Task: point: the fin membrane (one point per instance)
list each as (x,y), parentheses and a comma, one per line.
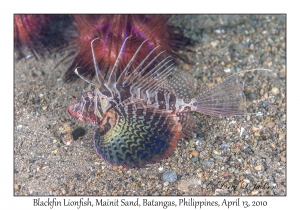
(183,84)
(223,99)
(187,122)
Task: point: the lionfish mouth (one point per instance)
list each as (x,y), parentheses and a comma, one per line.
(83,110)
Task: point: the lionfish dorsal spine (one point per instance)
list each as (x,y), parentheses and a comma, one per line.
(150,80)
(150,74)
(164,76)
(99,75)
(136,73)
(84,78)
(132,59)
(155,83)
(112,76)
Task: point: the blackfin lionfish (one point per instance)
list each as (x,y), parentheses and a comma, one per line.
(141,114)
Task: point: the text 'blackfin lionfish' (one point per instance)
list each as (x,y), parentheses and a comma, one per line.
(142,113)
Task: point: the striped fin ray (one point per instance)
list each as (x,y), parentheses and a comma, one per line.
(134,134)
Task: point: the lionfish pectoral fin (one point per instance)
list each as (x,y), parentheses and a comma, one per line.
(141,135)
(223,99)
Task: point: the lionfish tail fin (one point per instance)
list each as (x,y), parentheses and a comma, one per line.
(226,98)
(223,99)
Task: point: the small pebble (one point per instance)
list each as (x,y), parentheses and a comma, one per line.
(16,186)
(195,153)
(186,67)
(266,103)
(67,128)
(78,176)
(218,79)
(272,145)
(28,56)
(251,47)
(228,70)
(259,114)
(214,43)
(169,177)
(195,159)
(281,136)
(254,192)
(275,90)
(226,173)
(258,168)
(216,152)
(242,131)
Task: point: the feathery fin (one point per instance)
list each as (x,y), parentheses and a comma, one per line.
(226,98)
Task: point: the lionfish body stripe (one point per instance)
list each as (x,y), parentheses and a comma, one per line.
(141,115)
